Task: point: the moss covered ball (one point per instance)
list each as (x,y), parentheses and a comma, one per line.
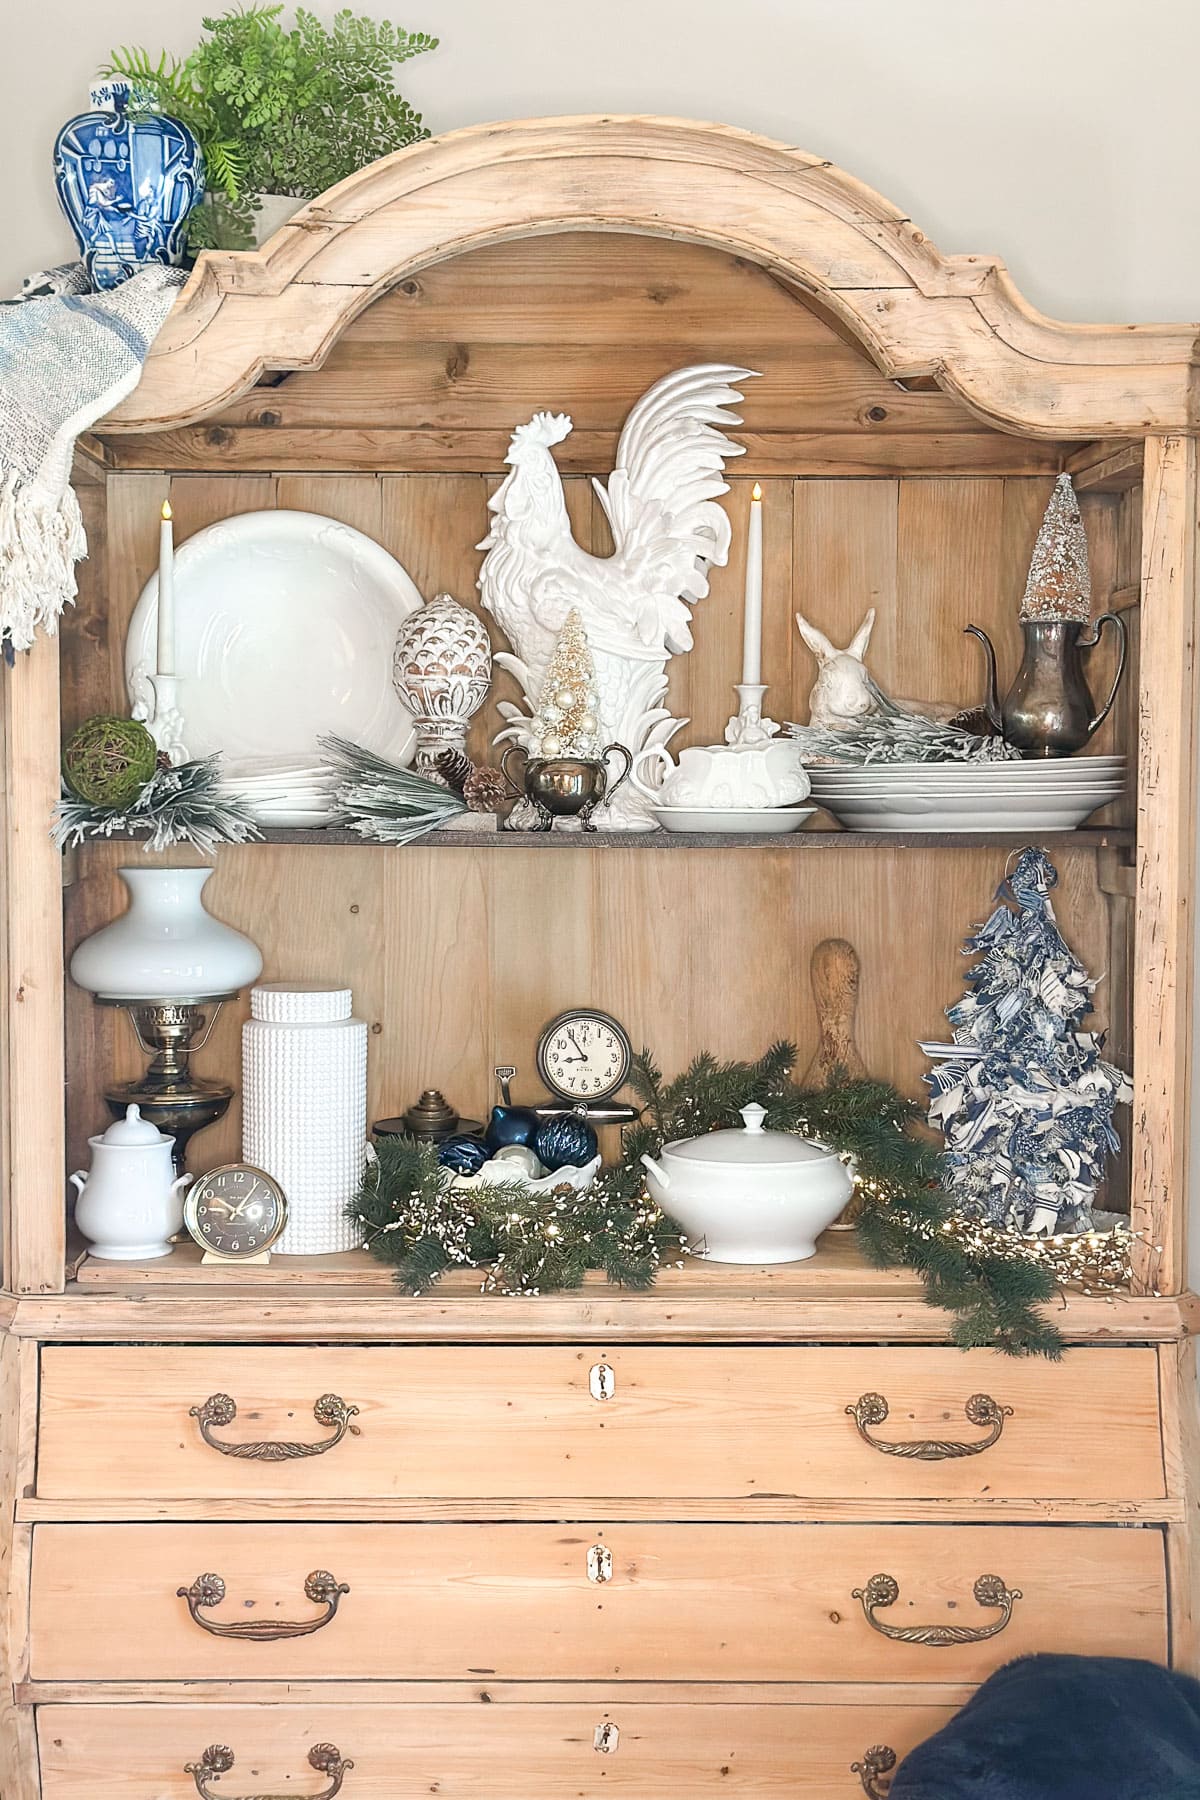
(108,760)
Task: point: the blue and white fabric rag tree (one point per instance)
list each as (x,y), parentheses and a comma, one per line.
(1023,1097)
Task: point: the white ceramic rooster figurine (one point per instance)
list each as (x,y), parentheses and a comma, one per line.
(667,528)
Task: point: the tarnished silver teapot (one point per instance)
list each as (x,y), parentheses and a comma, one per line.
(1048,710)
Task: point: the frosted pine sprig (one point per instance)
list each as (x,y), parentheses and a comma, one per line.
(383,802)
(898,737)
(182,805)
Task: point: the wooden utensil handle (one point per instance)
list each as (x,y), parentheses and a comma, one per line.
(835,976)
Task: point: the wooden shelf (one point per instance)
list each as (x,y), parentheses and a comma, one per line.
(834,1298)
(838,1266)
(1096,838)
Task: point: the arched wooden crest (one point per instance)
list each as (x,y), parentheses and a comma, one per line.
(916,312)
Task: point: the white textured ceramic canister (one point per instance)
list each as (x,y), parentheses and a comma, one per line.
(304,1107)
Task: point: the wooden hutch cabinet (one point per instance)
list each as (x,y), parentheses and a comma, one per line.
(910,419)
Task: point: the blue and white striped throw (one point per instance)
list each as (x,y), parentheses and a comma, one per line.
(67,356)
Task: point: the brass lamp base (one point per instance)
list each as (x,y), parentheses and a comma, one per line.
(168,1094)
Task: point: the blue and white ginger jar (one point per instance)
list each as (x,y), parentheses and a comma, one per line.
(127,185)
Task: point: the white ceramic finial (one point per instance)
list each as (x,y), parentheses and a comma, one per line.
(753,1116)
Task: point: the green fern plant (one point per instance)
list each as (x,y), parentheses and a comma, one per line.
(278,110)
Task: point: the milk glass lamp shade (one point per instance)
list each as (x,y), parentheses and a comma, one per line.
(166,947)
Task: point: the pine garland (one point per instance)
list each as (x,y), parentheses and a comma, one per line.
(414,1219)
(413,1216)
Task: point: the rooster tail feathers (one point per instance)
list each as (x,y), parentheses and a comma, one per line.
(671,457)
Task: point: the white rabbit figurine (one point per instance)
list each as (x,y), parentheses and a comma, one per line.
(845,692)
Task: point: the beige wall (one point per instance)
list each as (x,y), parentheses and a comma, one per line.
(1063,135)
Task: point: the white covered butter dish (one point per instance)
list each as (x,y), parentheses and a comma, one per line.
(750,1196)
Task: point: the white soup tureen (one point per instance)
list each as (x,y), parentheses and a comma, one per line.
(750,1196)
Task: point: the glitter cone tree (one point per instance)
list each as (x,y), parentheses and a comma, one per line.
(567,719)
(1059,584)
(1022,1096)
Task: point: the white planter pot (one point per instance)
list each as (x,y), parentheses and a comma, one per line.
(166,947)
(750,1196)
(272,211)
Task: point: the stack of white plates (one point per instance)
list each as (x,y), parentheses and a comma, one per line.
(1047,795)
(280,791)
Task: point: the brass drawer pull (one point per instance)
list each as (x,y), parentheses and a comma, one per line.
(981,1409)
(884,1590)
(209,1590)
(875,1771)
(218,1759)
(330,1409)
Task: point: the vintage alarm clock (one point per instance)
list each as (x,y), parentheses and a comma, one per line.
(584,1057)
(235,1213)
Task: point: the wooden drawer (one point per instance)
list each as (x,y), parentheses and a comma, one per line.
(517,1602)
(761,1424)
(464,1752)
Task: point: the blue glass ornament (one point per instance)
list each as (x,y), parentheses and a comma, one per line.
(565,1143)
(510,1125)
(126,185)
(465,1155)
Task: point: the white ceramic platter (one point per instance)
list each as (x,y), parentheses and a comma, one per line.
(921,813)
(765,821)
(971,797)
(285,624)
(1022,771)
(967,796)
(1042,776)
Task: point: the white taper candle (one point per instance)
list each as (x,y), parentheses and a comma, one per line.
(166,592)
(752,615)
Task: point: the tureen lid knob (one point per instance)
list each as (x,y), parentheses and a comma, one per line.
(133,1129)
(753,1116)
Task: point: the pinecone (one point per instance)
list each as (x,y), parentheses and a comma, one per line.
(486,790)
(455,767)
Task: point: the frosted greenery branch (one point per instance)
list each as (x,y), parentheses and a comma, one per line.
(380,800)
(898,737)
(414,1219)
(182,805)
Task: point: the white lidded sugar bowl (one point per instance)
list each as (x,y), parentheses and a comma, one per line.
(750,1196)
(731,777)
(130,1201)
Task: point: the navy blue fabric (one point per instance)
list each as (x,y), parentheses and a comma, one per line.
(1065,1728)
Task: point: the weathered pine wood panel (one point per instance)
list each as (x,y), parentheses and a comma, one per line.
(507,1752)
(511,940)
(435,373)
(919,312)
(689,1602)
(457,961)
(743,1424)
(31,1047)
(1166,875)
